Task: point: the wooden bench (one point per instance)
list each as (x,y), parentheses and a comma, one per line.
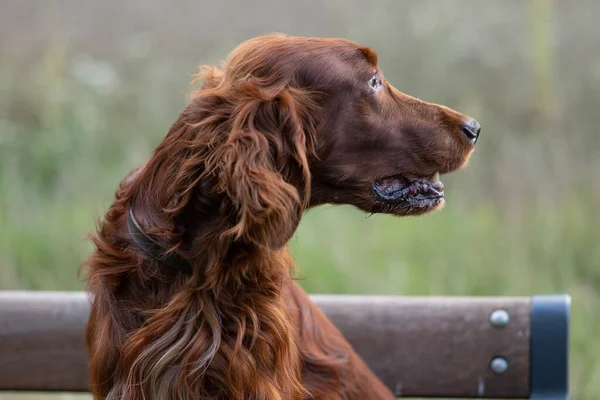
(465,347)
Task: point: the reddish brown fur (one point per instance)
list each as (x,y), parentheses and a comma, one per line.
(288,123)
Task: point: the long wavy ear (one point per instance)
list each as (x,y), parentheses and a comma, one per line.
(263,164)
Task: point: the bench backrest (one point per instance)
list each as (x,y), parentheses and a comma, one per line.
(486,347)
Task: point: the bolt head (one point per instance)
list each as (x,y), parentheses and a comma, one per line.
(499,319)
(499,365)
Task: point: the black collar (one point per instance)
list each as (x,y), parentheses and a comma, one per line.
(153,249)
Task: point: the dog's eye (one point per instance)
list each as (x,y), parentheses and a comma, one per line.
(375,82)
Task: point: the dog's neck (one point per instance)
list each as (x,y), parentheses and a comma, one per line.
(196,232)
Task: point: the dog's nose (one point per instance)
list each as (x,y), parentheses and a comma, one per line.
(471,129)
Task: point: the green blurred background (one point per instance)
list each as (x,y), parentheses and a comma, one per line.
(89,88)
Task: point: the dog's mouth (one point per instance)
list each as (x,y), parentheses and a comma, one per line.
(409,194)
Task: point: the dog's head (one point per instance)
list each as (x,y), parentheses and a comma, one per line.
(378,148)
(296,122)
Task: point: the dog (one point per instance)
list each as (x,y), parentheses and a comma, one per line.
(192,285)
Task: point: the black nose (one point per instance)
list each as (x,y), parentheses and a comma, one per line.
(471,129)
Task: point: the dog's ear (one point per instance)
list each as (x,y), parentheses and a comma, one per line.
(263,164)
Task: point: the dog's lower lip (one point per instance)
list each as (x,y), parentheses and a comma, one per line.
(399,188)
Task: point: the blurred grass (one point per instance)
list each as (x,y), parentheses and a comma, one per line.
(79,109)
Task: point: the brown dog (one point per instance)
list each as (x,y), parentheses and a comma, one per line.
(191,280)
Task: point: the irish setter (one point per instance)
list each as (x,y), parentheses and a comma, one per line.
(286,124)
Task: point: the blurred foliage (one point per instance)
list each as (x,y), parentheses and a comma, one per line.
(88,89)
